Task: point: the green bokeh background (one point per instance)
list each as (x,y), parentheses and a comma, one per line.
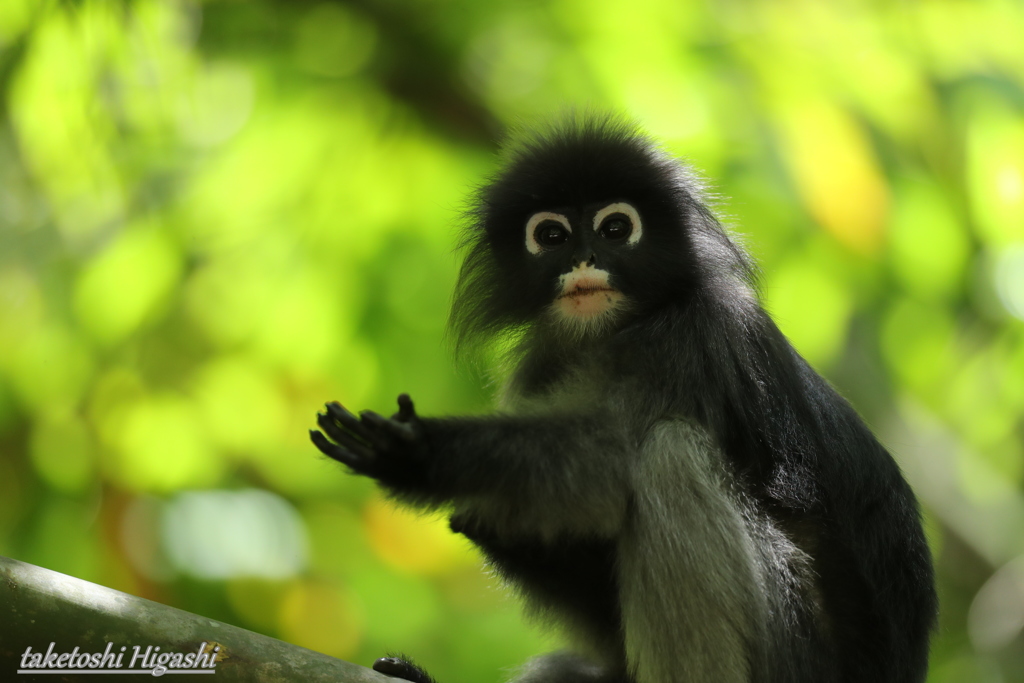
(214,216)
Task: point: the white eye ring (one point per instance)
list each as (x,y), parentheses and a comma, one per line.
(628,211)
(532,245)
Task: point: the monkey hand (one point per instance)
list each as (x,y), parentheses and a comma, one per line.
(391,450)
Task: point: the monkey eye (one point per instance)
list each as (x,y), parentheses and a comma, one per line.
(619,222)
(615,227)
(551,234)
(546,230)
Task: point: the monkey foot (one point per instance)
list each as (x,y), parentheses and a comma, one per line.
(402,668)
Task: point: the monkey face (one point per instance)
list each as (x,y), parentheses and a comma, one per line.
(591,266)
(581,254)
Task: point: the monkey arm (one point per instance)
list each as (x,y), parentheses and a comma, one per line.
(573,468)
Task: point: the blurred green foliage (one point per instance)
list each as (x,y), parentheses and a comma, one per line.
(216,216)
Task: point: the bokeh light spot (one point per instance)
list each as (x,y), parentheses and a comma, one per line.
(127,283)
(811,307)
(928,246)
(1009,279)
(996,616)
(918,346)
(321,616)
(333,40)
(241,407)
(163,446)
(834,166)
(414,543)
(63,453)
(229,534)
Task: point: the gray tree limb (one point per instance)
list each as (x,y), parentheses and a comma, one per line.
(39,607)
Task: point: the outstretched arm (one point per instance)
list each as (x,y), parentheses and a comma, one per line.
(570,468)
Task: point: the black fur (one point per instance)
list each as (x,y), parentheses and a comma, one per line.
(402,666)
(557,491)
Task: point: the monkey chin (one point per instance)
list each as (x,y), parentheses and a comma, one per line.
(586,315)
(586,304)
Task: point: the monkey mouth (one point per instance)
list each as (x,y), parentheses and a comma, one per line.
(588,299)
(586,295)
(584,289)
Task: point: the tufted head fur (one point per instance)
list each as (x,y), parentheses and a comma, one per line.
(539,255)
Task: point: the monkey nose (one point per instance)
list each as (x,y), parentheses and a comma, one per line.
(587,258)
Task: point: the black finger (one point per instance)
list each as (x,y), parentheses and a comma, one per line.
(406,411)
(353,424)
(342,437)
(339,453)
(401,430)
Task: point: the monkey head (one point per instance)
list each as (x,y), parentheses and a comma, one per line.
(584,228)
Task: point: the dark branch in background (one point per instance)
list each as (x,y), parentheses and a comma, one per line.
(10,59)
(417,68)
(412,64)
(42,607)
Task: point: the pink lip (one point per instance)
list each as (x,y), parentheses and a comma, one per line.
(586,289)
